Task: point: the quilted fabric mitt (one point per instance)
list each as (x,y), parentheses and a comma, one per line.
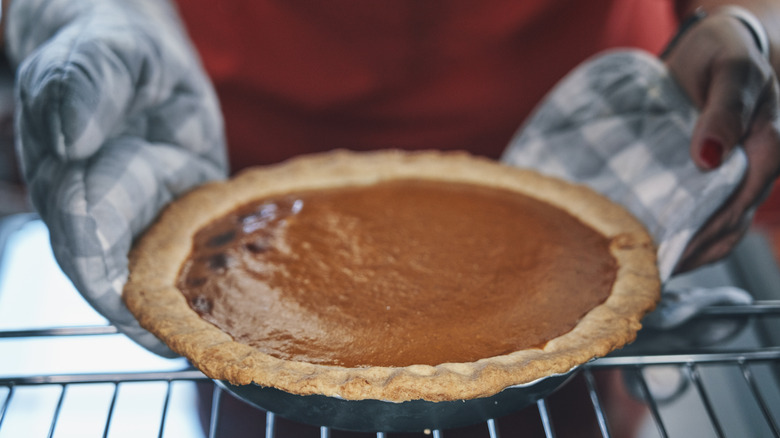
(620,124)
(115,118)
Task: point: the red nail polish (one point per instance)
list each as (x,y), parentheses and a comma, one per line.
(711,153)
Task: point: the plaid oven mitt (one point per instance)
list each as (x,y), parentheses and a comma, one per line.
(620,125)
(115,118)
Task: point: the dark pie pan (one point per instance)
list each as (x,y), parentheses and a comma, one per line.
(384,416)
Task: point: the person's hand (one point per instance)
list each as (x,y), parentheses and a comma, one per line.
(719,65)
(115,118)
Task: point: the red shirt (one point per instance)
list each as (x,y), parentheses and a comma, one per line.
(298,76)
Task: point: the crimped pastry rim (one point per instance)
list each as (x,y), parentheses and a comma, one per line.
(154,263)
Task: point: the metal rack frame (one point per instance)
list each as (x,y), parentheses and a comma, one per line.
(690,362)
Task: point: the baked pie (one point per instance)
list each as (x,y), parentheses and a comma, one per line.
(392,275)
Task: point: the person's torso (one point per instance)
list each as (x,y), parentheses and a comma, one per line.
(298,76)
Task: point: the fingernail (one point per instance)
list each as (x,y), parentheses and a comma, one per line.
(711,153)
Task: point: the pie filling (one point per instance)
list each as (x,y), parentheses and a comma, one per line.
(397,273)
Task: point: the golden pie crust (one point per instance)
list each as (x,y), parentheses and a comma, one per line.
(156,260)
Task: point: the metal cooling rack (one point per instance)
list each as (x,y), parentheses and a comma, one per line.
(752,385)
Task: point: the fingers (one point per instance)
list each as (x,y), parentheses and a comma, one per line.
(78,88)
(119,68)
(712,243)
(720,68)
(727,226)
(70,99)
(733,99)
(727,77)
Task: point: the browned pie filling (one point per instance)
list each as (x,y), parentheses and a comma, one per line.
(397,273)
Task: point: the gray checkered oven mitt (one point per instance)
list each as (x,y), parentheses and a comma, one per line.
(620,125)
(115,117)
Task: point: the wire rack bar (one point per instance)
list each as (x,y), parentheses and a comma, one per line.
(90,330)
(747,374)
(111,406)
(761,307)
(650,401)
(693,375)
(270,425)
(733,356)
(216,402)
(492,429)
(188,374)
(590,382)
(4,407)
(544,413)
(165,409)
(57,411)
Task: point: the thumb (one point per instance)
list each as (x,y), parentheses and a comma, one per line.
(99,74)
(69,97)
(731,100)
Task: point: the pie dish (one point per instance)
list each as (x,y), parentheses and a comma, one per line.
(163,259)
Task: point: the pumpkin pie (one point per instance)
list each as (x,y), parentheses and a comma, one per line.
(392,275)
